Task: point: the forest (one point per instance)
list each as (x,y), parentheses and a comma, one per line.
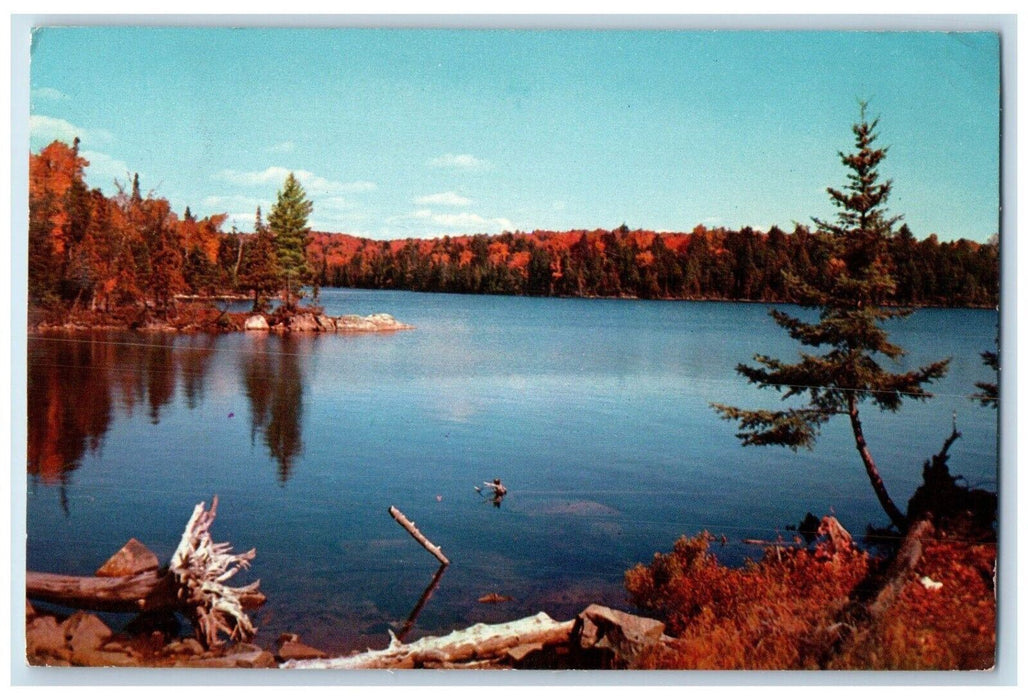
(92,251)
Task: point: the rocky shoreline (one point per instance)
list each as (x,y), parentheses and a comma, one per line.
(208,320)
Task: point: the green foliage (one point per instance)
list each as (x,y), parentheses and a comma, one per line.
(259,270)
(288,224)
(848,343)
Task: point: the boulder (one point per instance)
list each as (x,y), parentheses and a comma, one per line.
(133,558)
(290,648)
(85,632)
(352,322)
(327,323)
(627,636)
(303,323)
(43,636)
(256,322)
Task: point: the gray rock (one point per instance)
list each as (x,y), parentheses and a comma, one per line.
(256,323)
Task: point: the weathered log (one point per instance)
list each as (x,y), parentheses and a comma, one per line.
(474,645)
(898,574)
(145,592)
(407,525)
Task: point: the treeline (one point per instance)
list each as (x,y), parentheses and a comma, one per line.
(88,250)
(704,264)
(107,252)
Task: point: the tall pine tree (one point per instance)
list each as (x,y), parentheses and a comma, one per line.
(842,371)
(288,223)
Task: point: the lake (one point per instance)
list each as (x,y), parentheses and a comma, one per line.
(595,414)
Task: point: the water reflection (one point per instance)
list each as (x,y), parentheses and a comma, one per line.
(273,381)
(78,382)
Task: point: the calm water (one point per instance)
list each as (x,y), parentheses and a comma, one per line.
(595,413)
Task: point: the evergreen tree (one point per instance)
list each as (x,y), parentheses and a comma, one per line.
(849,331)
(260,271)
(288,223)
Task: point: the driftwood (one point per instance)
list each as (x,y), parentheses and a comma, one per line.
(898,574)
(193,583)
(478,645)
(201,567)
(407,525)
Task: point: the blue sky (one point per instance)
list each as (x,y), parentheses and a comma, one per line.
(398,133)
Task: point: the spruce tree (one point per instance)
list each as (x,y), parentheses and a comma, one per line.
(842,369)
(260,271)
(288,223)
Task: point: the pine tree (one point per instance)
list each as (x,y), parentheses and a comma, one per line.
(288,222)
(848,333)
(260,271)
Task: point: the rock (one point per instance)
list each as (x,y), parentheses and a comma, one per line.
(100,658)
(290,648)
(44,636)
(374,322)
(185,647)
(85,632)
(354,323)
(327,323)
(256,658)
(303,323)
(30,612)
(256,323)
(495,598)
(518,653)
(133,558)
(626,635)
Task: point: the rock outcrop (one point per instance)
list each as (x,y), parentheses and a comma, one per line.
(311,323)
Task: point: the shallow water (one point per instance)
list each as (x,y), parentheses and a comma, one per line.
(595,413)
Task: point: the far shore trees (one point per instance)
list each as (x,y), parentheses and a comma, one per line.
(288,223)
(851,299)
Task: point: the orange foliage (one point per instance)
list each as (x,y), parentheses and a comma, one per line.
(782,612)
(52,172)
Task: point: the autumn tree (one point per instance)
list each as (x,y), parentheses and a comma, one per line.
(288,223)
(842,369)
(59,213)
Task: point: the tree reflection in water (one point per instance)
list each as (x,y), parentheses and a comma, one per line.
(77,381)
(273,380)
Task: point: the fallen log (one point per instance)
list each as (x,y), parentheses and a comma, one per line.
(901,569)
(407,525)
(473,646)
(193,583)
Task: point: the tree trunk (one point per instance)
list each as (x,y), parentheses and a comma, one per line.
(145,592)
(895,514)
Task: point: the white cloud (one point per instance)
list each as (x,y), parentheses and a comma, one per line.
(333,204)
(312,184)
(46,93)
(448,199)
(234,202)
(460,161)
(464,222)
(43,130)
(104,167)
(284,147)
